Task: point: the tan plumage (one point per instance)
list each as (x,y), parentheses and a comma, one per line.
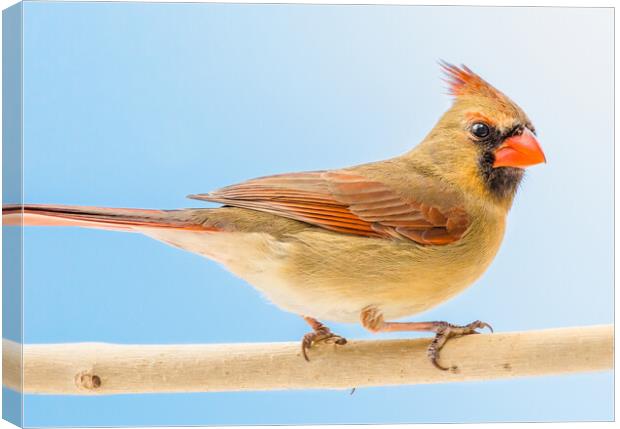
(372,242)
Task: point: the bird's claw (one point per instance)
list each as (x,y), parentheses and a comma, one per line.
(471,328)
(444,332)
(484,325)
(323,335)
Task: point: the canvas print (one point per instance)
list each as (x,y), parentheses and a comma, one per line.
(221,214)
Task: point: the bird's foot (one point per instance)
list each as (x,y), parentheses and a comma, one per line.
(320,334)
(444,331)
(372,319)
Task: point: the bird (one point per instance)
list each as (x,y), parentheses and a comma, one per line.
(367,244)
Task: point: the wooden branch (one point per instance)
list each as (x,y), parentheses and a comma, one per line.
(96,368)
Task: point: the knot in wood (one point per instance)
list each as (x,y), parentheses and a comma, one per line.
(87,380)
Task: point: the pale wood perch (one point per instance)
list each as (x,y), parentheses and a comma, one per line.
(97,368)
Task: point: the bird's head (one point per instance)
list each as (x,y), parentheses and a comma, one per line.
(484,141)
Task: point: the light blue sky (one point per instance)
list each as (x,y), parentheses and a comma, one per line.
(138,105)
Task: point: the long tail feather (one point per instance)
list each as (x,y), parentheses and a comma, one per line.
(99,217)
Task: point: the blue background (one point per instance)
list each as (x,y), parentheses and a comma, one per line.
(138,105)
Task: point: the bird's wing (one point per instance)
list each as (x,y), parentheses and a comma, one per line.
(349,202)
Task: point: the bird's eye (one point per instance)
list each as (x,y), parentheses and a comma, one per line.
(480,130)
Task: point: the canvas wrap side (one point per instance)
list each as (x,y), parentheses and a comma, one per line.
(12,193)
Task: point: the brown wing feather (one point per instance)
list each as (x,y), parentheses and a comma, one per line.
(347,202)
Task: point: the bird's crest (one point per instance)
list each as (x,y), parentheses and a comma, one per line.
(462,81)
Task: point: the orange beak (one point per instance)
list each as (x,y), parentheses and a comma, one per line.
(519,151)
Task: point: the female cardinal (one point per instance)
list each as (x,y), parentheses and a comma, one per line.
(369,243)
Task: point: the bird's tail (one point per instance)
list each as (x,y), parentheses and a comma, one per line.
(114,219)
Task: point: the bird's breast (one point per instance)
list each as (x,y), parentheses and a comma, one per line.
(333,276)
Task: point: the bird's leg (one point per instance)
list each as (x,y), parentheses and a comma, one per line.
(320,334)
(372,320)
